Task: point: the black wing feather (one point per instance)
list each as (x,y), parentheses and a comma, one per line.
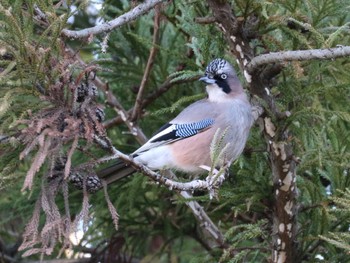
(184,130)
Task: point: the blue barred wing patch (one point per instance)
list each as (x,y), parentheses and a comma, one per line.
(173,132)
(190,129)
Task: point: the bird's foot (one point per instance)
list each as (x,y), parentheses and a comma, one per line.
(214,180)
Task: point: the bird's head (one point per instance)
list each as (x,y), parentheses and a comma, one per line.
(221,79)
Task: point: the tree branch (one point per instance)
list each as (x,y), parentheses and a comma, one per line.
(171,184)
(183,188)
(300,55)
(115,23)
(138,103)
(282,163)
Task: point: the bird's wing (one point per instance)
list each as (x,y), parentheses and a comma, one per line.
(172,132)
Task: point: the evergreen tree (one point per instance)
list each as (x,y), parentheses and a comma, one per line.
(68,94)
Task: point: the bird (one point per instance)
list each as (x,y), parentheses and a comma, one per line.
(184,143)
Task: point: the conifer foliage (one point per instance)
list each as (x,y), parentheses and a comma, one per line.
(82,82)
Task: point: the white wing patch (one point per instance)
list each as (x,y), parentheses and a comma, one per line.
(173,132)
(151,143)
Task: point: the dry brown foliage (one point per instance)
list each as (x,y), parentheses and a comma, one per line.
(72,114)
(51,137)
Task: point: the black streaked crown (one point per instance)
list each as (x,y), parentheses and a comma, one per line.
(215,65)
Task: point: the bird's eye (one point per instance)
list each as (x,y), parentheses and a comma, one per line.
(223,76)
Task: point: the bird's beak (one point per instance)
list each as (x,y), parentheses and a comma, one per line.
(207,80)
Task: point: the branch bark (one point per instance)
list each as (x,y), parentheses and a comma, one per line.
(283,167)
(300,55)
(115,23)
(282,163)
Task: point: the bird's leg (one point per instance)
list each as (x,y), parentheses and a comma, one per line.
(168,174)
(214,179)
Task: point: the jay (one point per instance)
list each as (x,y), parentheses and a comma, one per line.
(184,143)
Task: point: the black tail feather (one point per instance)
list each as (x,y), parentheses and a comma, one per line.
(116,172)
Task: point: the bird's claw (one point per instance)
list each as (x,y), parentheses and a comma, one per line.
(214,181)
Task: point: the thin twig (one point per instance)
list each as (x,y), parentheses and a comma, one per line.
(39,14)
(331,29)
(150,98)
(203,218)
(138,103)
(115,23)
(306,208)
(163,89)
(78,260)
(299,55)
(104,44)
(238,249)
(124,115)
(7,258)
(205,20)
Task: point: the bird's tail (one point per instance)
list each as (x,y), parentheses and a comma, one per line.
(116,172)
